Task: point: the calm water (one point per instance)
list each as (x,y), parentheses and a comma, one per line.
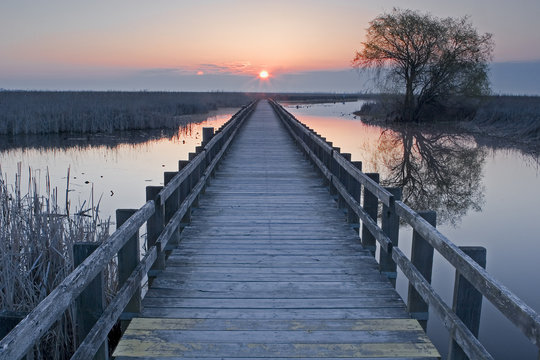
(483,197)
(115,168)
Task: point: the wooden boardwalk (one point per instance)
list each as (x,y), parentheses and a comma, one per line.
(269,268)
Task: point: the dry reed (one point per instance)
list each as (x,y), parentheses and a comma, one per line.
(85,112)
(36,253)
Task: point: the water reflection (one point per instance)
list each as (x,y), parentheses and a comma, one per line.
(112,140)
(115,168)
(439,171)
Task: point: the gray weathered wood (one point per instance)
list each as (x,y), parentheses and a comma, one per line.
(512,307)
(470,344)
(371,207)
(355,189)
(154,227)
(19,341)
(390,226)
(171,206)
(98,333)
(266,246)
(207,135)
(91,302)
(128,258)
(8,320)
(467,303)
(422,259)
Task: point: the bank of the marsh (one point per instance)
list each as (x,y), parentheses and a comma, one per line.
(511,121)
(88,112)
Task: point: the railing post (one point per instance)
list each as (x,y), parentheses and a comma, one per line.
(8,321)
(154,227)
(171,206)
(128,258)
(194,178)
(467,302)
(91,302)
(371,207)
(355,189)
(422,259)
(343,177)
(185,188)
(334,169)
(207,135)
(390,226)
(328,164)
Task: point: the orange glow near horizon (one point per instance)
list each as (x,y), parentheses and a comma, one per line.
(264,75)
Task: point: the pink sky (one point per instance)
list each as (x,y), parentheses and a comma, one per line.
(84,41)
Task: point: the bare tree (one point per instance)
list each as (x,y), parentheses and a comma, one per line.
(430,59)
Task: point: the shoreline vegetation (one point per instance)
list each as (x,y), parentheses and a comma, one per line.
(89,112)
(514,120)
(37,243)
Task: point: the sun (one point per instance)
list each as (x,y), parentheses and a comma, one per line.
(264,74)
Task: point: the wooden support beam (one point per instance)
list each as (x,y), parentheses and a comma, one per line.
(154,227)
(390,226)
(422,259)
(467,303)
(128,258)
(371,206)
(90,304)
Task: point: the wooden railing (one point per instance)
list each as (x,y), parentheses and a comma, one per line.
(164,213)
(346,180)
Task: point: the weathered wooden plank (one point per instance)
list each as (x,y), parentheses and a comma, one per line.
(248,276)
(279,314)
(281,358)
(276,294)
(298,325)
(262,286)
(276,337)
(143,347)
(307,303)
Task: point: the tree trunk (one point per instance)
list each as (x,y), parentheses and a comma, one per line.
(408,106)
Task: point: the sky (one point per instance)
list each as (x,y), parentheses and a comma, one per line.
(222,45)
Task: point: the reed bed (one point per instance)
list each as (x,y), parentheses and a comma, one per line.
(48,112)
(36,253)
(514,117)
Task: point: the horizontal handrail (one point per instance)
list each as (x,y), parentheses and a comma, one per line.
(511,306)
(468,342)
(20,340)
(172,185)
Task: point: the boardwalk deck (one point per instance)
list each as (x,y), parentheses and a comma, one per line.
(269,268)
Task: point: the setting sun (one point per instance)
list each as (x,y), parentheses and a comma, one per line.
(263,74)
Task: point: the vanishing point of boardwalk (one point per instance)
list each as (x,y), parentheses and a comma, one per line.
(269,268)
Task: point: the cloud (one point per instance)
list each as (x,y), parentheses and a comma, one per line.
(237,67)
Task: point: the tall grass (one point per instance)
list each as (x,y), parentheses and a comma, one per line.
(36,253)
(46,112)
(514,117)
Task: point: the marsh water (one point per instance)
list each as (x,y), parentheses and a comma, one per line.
(114,169)
(484,194)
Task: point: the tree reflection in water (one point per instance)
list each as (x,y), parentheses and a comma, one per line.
(438,171)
